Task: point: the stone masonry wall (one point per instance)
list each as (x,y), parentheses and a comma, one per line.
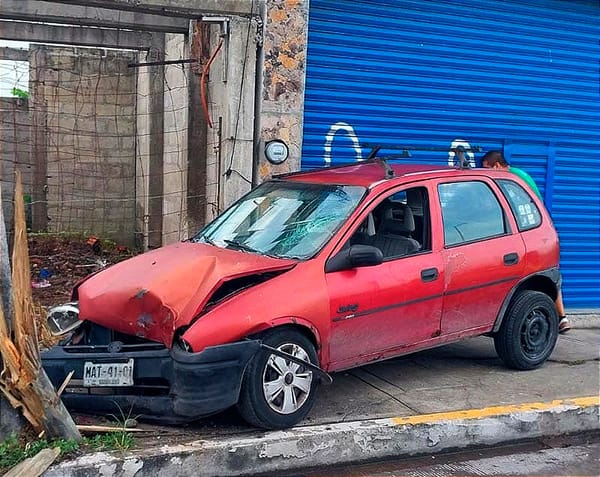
(282,109)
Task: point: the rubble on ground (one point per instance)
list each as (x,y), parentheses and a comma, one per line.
(59,262)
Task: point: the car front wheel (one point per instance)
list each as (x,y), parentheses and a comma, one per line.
(277,392)
(529,331)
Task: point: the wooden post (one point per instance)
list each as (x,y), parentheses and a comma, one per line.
(23,380)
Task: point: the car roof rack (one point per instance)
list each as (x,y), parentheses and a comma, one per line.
(376,160)
(389,172)
(382,160)
(406,151)
(371,159)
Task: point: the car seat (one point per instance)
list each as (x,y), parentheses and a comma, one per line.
(393,237)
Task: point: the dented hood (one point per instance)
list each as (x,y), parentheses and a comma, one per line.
(153,294)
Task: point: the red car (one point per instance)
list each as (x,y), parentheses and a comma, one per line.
(312,273)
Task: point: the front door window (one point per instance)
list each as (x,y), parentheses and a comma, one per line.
(379,309)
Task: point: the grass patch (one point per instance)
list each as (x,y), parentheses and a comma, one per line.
(120,441)
(14,449)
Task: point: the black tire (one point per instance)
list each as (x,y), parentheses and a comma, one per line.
(292,387)
(529,331)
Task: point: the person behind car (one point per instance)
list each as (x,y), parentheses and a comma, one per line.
(496,160)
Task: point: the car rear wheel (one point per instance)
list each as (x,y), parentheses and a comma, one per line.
(276,392)
(529,331)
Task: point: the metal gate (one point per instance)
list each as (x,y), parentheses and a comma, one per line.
(511,75)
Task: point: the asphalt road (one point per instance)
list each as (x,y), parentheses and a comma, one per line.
(561,456)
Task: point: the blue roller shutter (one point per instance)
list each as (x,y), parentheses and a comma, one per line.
(511,75)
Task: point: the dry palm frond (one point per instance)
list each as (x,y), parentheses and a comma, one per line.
(24,323)
(23,381)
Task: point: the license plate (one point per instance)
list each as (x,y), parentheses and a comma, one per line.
(108,374)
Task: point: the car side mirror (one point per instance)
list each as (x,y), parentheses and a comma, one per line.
(353,257)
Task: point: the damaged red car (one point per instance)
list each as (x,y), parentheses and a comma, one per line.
(308,274)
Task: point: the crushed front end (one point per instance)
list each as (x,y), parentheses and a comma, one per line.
(114,371)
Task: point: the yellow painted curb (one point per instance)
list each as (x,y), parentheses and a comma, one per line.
(496,410)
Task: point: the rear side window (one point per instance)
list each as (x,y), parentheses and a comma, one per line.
(522,205)
(470,212)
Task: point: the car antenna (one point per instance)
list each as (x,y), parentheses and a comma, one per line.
(389,172)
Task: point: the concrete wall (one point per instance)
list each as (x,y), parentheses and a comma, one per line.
(117,165)
(175,226)
(90,102)
(278,91)
(231,105)
(279,100)
(15,151)
(162,143)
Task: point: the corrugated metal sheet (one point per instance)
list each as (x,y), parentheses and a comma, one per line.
(522,76)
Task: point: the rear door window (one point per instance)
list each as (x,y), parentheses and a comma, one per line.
(522,205)
(470,212)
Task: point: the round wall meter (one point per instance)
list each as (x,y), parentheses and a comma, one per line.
(276,151)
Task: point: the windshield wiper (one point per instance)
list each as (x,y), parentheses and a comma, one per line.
(208,240)
(241,246)
(247,248)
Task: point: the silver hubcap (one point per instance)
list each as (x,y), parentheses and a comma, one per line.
(286,385)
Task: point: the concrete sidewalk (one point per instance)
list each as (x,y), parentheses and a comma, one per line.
(452,397)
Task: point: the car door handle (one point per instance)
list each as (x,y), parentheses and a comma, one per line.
(429,274)
(511,258)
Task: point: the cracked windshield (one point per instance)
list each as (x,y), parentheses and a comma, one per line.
(283,219)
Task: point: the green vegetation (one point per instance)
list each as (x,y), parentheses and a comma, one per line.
(20,93)
(14,450)
(120,440)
